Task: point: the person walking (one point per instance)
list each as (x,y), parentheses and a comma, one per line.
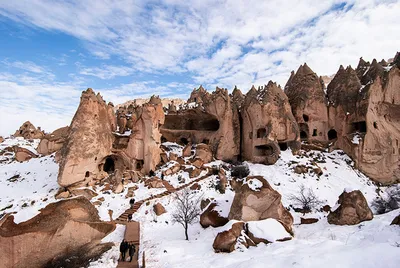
(132,250)
(132,202)
(129,217)
(122,248)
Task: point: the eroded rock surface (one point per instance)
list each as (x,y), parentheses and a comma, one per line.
(60,230)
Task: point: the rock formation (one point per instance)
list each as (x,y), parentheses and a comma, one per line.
(213,121)
(89,141)
(305,91)
(268,125)
(53,142)
(61,230)
(23,154)
(353,209)
(250,205)
(227,240)
(211,217)
(29,131)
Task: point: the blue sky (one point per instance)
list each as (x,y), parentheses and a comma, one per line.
(52,50)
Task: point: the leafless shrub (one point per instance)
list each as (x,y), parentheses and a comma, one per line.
(306,199)
(240,172)
(187,208)
(390,201)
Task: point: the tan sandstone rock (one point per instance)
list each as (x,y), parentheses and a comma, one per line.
(211,217)
(29,131)
(74,222)
(23,154)
(353,209)
(226,240)
(53,142)
(249,205)
(159,209)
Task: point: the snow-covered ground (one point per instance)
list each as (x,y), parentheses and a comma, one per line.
(369,244)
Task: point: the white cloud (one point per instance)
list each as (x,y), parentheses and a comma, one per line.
(27,66)
(107,71)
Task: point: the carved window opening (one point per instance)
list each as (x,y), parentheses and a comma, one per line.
(375,125)
(109,165)
(359,127)
(261,133)
(283,146)
(314,133)
(139,164)
(184,141)
(305,118)
(87,174)
(303,135)
(332,134)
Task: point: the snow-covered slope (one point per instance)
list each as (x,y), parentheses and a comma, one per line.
(369,244)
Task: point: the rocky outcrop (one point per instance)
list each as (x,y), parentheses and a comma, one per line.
(227,240)
(353,209)
(53,142)
(250,205)
(29,131)
(212,121)
(159,209)
(60,231)
(211,217)
(23,154)
(89,140)
(1,139)
(144,144)
(305,91)
(203,151)
(268,125)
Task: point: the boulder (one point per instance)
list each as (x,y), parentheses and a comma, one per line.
(154,182)
(353,209)
(73,222)
(226,240)
(23,154)
(308,220)
(195,187)
(119,188)
(194,172)
(396,221)
(198,163)
(203,151)
(62,195)
(159,209)
(1,139)
(300,169)
(85,192)
(204,203)
(267,231)
(173,157)
(187,150)
(211,217)
(249,205)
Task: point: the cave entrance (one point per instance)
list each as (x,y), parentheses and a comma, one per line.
(184,141)
(163,139)
(109,165)
(261,133)
(283,146)
(264,150)
(360,126)
(191,120)
(332,134)
(303,135)
(305,118)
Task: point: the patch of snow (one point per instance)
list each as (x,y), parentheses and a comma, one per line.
(356,139)
(254,184)
(269,229)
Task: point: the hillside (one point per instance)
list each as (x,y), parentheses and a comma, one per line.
(31,185)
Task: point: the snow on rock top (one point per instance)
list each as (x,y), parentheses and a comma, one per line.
(255,184)
(268,229)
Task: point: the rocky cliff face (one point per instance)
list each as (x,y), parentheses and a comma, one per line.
(305,91)
(212,121)
(29,131)
(268,125)
(89,141)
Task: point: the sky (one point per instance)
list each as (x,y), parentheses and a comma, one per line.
(50,51)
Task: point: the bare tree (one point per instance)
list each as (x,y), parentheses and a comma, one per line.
(187,208)
(305,198)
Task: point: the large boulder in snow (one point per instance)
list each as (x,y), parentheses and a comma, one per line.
(204,152)
(23,154)
(353,209)
(211,217)
(267,231)
(226,241)
(65,232)
(257,200)
(159,209)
